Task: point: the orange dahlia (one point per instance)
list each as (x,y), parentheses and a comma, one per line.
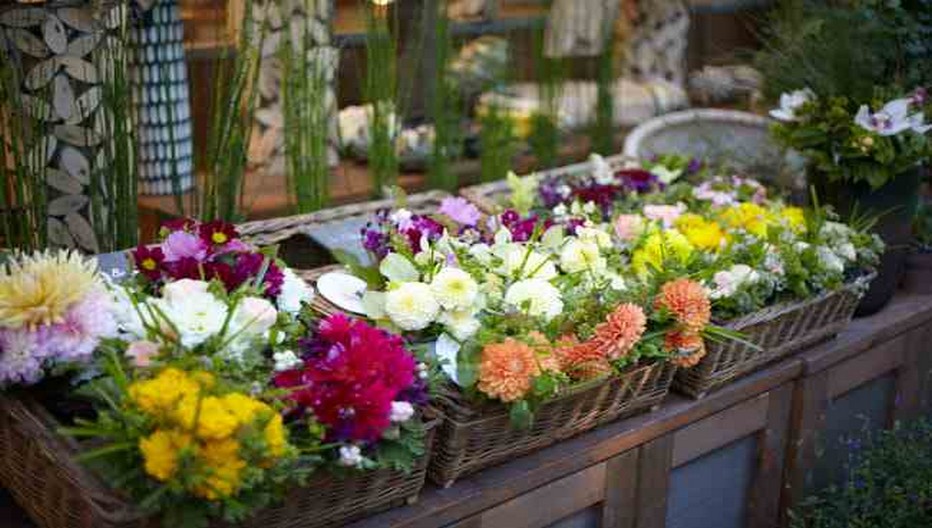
(687,348)
(621,330)
(590,370)
(507,369)
(687,301)
(584,360)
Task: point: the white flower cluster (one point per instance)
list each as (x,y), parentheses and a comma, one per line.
(727,283)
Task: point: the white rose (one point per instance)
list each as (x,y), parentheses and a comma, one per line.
(178,290)
(350,456)
(197,316)
(462,324)
(295,292)
(537,296)
(454,289)
(402,411)
(411,306)
(578,255)
(253,316)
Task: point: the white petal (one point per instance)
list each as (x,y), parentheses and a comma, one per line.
(897,109)
(863,118)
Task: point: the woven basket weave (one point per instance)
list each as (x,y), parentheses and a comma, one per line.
(473,437)
(275,230)
(39,468)
(489,197)
(779,331)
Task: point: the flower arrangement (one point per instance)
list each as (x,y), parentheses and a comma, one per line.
(187,447)
(54,312)
(357,388)
(850,140)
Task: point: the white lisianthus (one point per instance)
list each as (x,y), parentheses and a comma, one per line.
(411,306)
(286,360)
(454,289)
(581,255)
(537,296)
(402,411)
(593,234)
(253,316)
(519,262)
(829,260)
(461,324)
(196,316)
(295,292)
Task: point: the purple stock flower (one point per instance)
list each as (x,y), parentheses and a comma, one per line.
(694,166)
(637,180)
(181,245)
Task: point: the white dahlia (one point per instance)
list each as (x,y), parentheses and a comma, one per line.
(411,306)
(454,289)
(536,296)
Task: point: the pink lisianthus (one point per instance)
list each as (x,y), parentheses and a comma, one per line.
(142,352)
(460,211)
(183,245)
(667,214)
(629,226)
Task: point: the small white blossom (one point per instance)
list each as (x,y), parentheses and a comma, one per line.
(286,360)
(295,292)
(350,456)
(790,103)
(402,411)
(830,261)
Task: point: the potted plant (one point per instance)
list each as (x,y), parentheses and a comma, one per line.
(852,103)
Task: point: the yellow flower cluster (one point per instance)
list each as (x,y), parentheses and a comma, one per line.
(704,234)
(209,428)
(748,216)
(661,248)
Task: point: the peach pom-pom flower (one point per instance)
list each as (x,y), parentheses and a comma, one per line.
(585,360)
(507,370)
(687,348)
(688,302)
(621,330)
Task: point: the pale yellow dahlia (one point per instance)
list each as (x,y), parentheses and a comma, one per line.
(38,289)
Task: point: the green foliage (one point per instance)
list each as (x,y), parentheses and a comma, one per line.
(307,126)
(602,129)
(889,485)
(497,141)
(544,139)
(231,126)
(445,106)
(834,50)
(922,225)
(380,90)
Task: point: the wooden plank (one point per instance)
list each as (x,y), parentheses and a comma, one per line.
(764,495)
(721,429)
(807,416)
(907,404)
(549,503)
(621,474)
(859,370)
(654,469)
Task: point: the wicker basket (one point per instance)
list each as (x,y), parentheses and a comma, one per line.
(489,197)
(475,437)
(39,468)
(779,331)
(275,230)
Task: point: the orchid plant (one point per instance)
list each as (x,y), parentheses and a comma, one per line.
(857,142)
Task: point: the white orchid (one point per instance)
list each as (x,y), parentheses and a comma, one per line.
(892,119)
(790,103)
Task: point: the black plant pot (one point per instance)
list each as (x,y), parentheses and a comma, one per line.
(895,204)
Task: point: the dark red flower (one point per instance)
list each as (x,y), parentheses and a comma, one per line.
(218,233)
(352,373)
(638,180)
(177,224)
(185,268)
(149,261)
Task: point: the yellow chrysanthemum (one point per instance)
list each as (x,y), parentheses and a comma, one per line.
(748,216)
(161,451)
(701,233)
(222,467)
(276,437)
(244,408)
(38,289)
(160,395)
(661,247)
(215,421)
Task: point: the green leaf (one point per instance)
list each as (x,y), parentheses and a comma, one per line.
(467,361)
(520,415)
(397,268)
